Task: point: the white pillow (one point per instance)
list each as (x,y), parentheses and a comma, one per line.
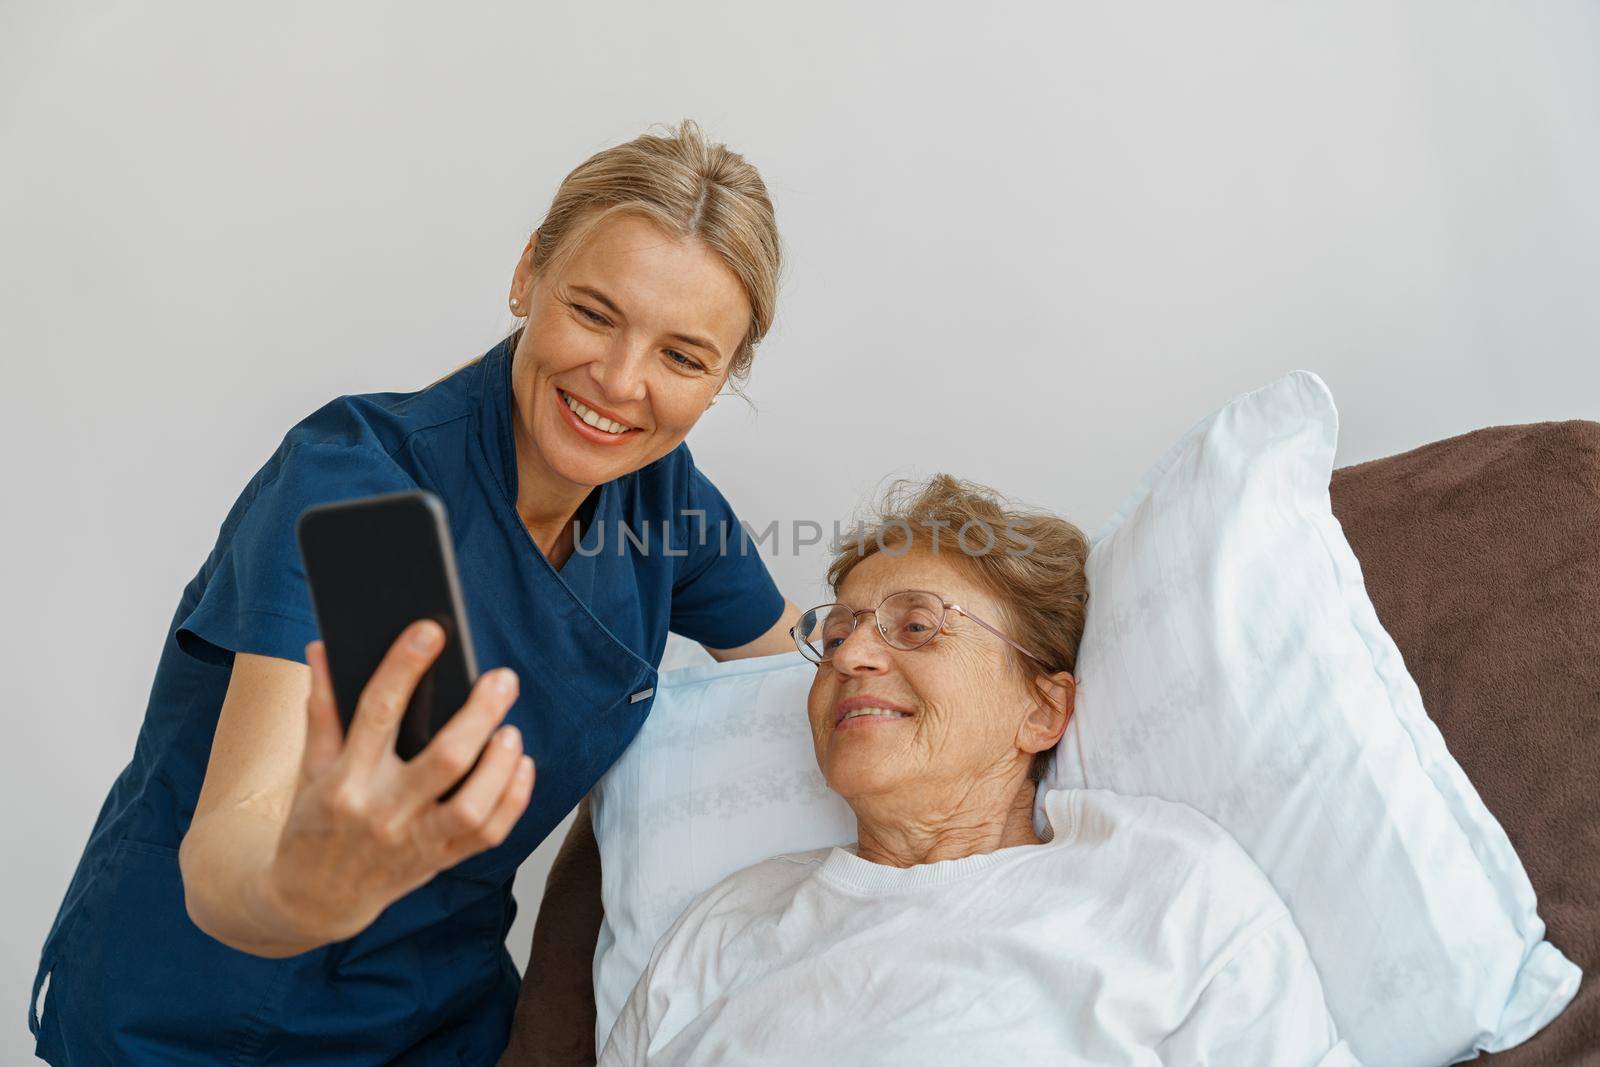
(721,775)
(1232,661)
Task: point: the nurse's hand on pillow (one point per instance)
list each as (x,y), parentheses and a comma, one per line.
(281,870)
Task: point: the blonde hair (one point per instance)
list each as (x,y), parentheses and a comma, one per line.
(693,190)
(1034,569)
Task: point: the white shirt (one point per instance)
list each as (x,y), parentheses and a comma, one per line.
(1140,934)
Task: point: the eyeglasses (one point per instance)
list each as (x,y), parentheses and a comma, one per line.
(906,620)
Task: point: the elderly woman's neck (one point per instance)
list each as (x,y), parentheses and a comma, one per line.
(985,817)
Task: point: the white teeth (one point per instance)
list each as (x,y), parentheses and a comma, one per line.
(885,713)
(588,415)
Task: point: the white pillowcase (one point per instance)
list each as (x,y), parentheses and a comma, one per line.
(721,775)
(1232,661)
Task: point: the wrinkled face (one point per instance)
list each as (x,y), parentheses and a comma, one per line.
(960,699)
(623,350)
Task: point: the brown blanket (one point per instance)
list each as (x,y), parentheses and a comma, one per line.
(1482,556)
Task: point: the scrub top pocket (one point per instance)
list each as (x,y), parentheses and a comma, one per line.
(135,934)
(428,983)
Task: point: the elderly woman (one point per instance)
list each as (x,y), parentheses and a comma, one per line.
(950,932)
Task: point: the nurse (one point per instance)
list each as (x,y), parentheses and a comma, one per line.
(261,886)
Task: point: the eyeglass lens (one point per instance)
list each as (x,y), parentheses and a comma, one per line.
(907,620)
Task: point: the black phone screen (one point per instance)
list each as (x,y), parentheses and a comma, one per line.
(375,565)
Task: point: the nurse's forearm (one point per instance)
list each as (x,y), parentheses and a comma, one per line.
(225,859)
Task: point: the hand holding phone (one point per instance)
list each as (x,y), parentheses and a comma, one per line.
(408,768)
(365,827)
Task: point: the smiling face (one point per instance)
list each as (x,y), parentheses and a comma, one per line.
(962,712)
(622,352)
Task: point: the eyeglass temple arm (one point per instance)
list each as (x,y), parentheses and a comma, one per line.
(997,633)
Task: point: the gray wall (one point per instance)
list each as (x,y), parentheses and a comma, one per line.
(1028,248)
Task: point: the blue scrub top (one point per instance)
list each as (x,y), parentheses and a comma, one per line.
(133,980)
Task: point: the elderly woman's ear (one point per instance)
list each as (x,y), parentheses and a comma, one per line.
(1049,713)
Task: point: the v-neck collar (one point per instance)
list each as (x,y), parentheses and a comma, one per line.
(577,572)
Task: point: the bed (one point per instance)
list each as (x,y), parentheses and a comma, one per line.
(1481,554)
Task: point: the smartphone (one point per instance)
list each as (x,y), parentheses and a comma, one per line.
(376,565)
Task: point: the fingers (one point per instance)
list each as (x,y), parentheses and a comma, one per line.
(512,803)
(324,732)
(383,701)
(453,749)
(469,809)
